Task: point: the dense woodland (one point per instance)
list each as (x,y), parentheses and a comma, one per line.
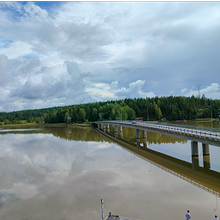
(171,108)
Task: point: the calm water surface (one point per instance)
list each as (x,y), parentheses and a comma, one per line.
(62,173)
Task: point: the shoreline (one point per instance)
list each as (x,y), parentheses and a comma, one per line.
(46,125)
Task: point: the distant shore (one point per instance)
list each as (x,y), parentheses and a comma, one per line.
(90,124)
(47,125)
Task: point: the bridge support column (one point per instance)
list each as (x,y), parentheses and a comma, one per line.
(195,154)
(145,142)
(104,128)
(121,134)
(99,126)
(137,133)
(108,130)
(116,129)
(144,133)
(206,156)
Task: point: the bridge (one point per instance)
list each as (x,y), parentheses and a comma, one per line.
(195,134)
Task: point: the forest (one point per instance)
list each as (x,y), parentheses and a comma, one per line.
(158,108)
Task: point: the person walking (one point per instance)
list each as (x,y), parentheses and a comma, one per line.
(188,216)
(216,217)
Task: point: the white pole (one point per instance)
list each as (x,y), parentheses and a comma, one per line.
(102,206)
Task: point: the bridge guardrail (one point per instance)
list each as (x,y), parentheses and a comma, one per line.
(195,131)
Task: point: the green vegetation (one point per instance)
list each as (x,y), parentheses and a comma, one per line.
(171,108)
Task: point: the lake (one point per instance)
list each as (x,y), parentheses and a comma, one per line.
(62,173)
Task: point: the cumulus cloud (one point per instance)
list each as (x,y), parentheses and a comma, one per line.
(113,91)
(55,82)
(134,91)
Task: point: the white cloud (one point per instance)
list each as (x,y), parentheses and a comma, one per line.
(134,91)
(113,91)
(104,146)
(16,50)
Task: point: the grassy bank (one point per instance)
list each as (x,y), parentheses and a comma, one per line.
(206,119)
(46,125)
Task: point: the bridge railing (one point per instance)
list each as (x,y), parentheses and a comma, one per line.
(195,131)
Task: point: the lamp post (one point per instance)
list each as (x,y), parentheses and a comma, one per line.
(147,113)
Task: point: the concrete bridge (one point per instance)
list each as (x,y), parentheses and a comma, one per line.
(195,135)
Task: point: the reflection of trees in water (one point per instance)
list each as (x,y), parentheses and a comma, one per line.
(76,133)
(69,133)
(152,138)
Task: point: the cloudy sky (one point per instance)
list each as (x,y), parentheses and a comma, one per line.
(64,53)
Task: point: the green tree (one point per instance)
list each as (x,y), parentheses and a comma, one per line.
(82,115)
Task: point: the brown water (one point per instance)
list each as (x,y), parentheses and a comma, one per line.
(62,173)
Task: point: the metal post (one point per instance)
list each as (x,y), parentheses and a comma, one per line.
(102,206)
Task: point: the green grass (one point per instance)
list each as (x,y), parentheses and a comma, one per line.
(206,119)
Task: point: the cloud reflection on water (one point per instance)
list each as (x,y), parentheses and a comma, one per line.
(45,177)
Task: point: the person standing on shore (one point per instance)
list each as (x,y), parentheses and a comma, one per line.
(216,217)
(188,216)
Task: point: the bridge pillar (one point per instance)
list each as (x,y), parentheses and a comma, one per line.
(206,156)
(116,129)
(104,128)
(195,155)
(145,142)
(144,133)
(137,133)
(121,134)
(108,130)
(99,126)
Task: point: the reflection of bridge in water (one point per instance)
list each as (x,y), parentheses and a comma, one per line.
(202,177)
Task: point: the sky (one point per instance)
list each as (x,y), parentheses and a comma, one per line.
(67,53)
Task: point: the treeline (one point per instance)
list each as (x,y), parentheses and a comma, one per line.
(26,116)
(169,108)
